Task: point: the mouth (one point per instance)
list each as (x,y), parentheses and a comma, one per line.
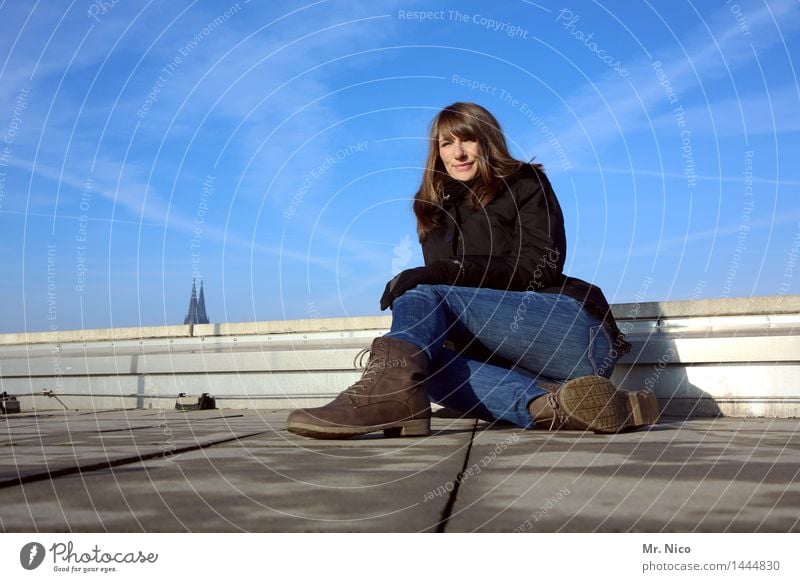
(463,167)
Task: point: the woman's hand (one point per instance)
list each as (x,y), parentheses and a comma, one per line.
(437,273)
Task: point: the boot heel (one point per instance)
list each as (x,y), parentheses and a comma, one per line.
(644,407)
(409,428)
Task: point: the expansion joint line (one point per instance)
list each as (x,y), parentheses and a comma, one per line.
(451,500)
(50,475)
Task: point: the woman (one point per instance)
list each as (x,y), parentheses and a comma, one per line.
(489,326)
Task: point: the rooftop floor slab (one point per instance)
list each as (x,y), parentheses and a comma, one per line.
(240,471)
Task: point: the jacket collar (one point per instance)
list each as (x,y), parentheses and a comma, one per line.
(454,191)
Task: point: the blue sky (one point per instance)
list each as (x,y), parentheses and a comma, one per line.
(273,148)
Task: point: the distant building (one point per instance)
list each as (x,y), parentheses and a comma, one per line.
(197,307)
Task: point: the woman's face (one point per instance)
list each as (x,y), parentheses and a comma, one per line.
(460,157)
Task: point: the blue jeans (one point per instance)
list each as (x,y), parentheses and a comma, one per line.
(503,346)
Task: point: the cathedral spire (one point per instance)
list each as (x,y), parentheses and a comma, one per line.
(197,306)
(201,306)
(191,314)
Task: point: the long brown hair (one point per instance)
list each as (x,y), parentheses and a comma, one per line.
(466,121)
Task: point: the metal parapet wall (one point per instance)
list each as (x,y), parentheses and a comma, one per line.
(735,357)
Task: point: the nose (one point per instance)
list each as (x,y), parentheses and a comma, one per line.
(459,152)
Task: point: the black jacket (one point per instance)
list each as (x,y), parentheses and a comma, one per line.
(515,243)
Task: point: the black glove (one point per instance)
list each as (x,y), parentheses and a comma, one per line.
(437,273)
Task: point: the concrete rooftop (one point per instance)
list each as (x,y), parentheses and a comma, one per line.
(239,470)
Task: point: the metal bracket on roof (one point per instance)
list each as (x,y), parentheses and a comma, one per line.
(205,402)
(8,404)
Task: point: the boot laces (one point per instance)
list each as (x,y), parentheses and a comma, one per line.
(560,418)
(370,371)
(358,361)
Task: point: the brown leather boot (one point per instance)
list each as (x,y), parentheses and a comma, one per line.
(593,403)
(390,396)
